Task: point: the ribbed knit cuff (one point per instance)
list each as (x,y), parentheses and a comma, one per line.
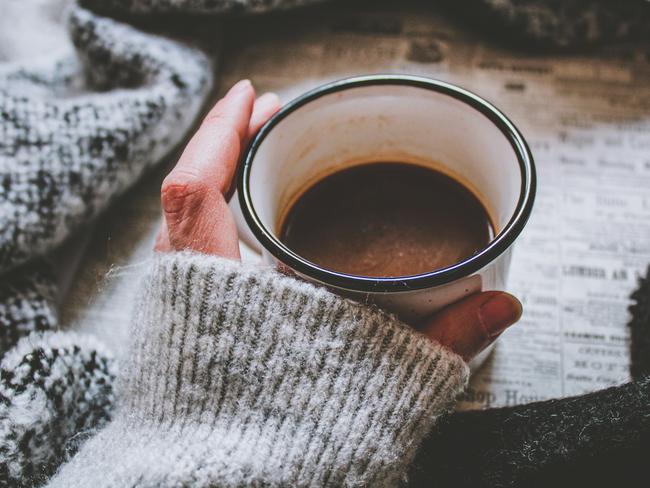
(239,376)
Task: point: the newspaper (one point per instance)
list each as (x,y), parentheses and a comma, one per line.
(587,119)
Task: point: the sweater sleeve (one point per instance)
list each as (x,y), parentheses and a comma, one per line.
(239,376)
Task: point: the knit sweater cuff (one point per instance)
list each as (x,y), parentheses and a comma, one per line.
(256,378)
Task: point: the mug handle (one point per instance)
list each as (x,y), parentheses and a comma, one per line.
(245,234)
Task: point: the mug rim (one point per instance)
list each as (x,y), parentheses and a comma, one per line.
(497,246)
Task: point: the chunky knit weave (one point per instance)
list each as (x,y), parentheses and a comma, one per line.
(297,388)
(75,132)
(26,304)
(63,156)
(54,387)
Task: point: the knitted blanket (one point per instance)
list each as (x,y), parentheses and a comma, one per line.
(76,131)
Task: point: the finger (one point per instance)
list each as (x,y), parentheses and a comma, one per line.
(470,325)
(192,195)
(213,152)
(265,107)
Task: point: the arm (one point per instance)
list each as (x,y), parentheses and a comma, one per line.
(298,388)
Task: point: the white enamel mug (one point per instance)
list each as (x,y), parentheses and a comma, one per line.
(391,118)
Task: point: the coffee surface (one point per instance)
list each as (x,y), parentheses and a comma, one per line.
(385,220)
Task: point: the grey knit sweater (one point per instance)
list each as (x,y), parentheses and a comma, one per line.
(299,387)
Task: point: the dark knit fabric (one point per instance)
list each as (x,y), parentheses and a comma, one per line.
(593,439)
(566,23)
(596,439)
(640,329)
(557,23)
(26,304)
(55,389)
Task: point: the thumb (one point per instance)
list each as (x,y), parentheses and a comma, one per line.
(470,325)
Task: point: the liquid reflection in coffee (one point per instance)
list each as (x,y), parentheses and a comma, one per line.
(386,219)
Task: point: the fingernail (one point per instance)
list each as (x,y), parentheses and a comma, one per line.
(499,313)
(241,86)
(269,99)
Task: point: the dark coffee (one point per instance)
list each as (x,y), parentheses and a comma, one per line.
(385,220)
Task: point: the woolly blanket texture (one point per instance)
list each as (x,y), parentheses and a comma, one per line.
(80,126)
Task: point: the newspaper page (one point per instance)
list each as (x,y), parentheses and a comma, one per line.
(587,120)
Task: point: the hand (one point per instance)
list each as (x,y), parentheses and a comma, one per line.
(195,195)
